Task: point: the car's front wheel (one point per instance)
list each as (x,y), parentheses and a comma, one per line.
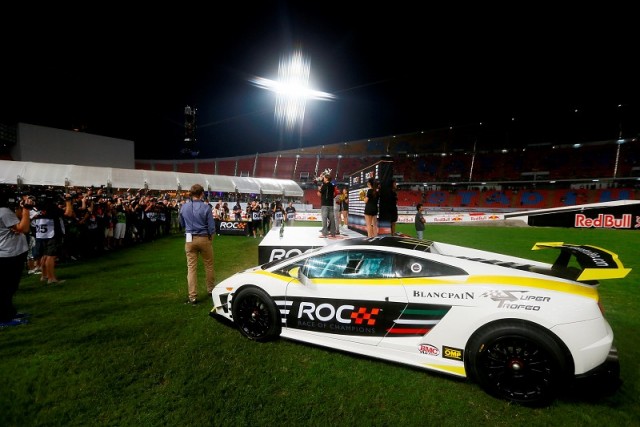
(255,314)
(517,362)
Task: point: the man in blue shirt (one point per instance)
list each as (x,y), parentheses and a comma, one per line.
(197,221)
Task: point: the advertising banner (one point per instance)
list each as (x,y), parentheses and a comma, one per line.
(622,215)
(233,228)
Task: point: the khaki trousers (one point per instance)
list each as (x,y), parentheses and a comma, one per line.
(200,245)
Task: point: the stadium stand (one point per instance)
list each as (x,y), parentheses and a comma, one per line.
(266,165)
(452,168)
(311,197)
(164,167)
(306,167)
(286,167)
(245,166)
(189,167)
(227,167)
(536,175)
(207,167)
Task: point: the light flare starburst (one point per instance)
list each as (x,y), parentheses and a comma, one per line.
(292,90)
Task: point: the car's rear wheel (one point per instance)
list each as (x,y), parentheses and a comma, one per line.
(518,362)
(255,314)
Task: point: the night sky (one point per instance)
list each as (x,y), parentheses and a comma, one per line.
(543,75)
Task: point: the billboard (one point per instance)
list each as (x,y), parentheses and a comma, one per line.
(382,172)
(622,215)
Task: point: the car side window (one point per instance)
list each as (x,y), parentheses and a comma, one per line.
(325,266)
(369,265)
(350,265)
(417,267)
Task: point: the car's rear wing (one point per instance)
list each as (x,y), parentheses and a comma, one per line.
(595,263)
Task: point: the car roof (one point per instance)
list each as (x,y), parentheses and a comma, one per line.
(388,241)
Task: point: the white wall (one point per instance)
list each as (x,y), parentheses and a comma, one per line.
(48,145)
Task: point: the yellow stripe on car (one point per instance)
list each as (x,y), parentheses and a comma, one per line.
(552,285)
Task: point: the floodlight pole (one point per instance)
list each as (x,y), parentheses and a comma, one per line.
(300,135)
(473,159)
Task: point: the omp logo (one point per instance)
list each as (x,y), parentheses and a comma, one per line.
(452,353)
(429,349)
(282,254)
(224,225)
(348,314)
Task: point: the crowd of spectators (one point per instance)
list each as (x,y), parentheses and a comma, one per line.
(103,221)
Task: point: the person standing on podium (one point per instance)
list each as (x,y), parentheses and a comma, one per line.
(327,214)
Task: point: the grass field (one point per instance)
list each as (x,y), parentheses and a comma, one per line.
(116,345)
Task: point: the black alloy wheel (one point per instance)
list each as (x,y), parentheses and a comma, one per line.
(256,315)
(523,365)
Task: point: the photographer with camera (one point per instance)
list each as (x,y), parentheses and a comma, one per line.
(89,226)
(50,234)
(14,226)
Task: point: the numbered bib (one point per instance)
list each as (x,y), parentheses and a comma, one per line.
(45,228)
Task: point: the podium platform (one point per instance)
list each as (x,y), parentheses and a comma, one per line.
(296,240)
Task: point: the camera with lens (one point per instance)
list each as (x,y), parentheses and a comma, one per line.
(10,200)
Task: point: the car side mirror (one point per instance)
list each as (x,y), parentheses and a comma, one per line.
(296,273)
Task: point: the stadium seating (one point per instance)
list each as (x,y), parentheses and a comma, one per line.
(188,167)
(465,177)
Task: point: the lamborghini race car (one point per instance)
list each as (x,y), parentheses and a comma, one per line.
(520,328)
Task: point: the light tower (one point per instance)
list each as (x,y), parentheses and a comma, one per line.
(190,140)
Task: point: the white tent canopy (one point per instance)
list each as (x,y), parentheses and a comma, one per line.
(157,180)
(49,174)
(220,182)
(246,185)
(269,186)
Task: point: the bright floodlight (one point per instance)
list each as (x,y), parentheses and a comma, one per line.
(292,90)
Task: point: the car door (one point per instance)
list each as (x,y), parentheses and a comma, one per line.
(348,294)
(428,285)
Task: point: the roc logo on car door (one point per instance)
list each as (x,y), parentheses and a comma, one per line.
(355,317)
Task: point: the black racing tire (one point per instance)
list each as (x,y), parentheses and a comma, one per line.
(519,362)
(256,315)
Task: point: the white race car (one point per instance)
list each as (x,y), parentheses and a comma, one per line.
(522,329)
